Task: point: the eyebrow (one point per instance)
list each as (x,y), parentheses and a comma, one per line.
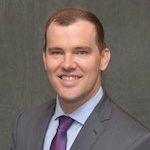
(74,48)
(82,47)
(54,48)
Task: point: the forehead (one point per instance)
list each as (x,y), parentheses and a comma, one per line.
(79,24)
(80,28)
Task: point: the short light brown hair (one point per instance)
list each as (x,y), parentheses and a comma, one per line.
(69,15)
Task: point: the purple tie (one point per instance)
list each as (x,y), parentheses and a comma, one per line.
(59,141)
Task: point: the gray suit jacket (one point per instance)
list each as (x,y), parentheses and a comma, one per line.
(107,128)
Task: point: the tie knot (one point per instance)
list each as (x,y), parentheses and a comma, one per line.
(64,123)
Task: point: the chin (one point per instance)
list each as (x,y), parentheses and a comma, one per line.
(69,99)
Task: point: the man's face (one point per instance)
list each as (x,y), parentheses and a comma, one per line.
(73,62)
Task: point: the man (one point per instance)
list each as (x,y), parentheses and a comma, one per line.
(74,57)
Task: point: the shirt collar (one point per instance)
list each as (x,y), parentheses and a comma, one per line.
(82,113)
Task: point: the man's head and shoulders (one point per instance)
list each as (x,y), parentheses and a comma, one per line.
(75,55)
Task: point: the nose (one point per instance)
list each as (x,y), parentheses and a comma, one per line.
(68,63)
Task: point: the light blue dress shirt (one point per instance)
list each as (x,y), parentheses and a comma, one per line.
(80,115)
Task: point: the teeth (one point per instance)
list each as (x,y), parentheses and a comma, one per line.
(69,78)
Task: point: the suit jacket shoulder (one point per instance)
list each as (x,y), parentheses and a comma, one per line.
(31,126)
(110,128)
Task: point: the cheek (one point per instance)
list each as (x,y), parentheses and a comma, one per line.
(91,66)
(91,63)
(51,65)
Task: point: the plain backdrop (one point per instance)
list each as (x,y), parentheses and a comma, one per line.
(23,82)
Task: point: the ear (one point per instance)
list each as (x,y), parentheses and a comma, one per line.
(105,58)
(44,60)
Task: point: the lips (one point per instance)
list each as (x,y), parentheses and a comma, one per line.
(69,77)
(69,80)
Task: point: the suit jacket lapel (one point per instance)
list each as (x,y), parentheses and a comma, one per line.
(94,126)
(41,127)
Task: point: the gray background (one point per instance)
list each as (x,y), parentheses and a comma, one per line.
(23,82)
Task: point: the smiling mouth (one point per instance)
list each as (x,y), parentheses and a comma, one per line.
(69,77)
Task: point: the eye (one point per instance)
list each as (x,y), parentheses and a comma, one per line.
(82,52)
(55,51)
